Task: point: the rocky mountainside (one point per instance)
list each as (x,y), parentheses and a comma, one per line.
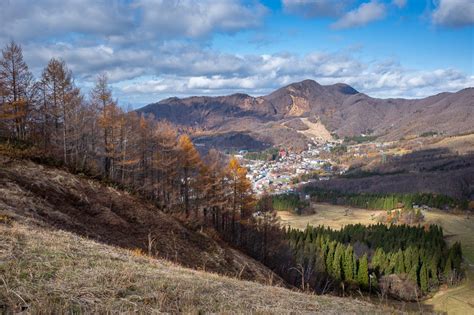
(340,108)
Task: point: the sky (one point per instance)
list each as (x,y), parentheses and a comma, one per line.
(154,49)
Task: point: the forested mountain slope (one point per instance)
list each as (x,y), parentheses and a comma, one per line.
(342,109)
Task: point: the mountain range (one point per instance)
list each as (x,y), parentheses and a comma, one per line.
(296,113)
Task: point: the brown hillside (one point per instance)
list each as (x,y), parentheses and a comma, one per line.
(341,109)
(48,196)
(44,271)
(437,170)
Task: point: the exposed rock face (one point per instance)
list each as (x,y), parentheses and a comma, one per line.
(299,106)
(341,109)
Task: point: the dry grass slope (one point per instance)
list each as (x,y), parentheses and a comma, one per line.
(51,261)
(52,197)
(51,271)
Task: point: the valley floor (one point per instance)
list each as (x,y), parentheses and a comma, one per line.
(456,227)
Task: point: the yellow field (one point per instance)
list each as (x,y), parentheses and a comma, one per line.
(459,300)
(461,144)
(329,215)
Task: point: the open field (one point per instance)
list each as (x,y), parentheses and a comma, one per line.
(462,144)
(458,300)
(456,227)
(333,216)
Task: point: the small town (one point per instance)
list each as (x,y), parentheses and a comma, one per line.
(288,169)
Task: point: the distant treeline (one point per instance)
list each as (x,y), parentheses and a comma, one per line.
(363,173)
(362,255)
(359,139)
(429,134)
(288,202)
(385,201)
(270,154)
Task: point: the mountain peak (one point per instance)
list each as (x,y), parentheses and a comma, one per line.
(345,89)
(308,83)
(313,86)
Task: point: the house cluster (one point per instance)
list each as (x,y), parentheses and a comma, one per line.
(279,175)
(371,149)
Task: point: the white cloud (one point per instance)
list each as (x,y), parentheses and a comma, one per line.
(364,14)
(316,8)
(32,20)
(400,3)
(125,22)
(88,61)
(454,13)
(146,74)
(261,74)
(194,18)
(218,82)
(152,49)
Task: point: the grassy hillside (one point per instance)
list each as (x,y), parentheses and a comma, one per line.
(56,272)
(52,197)
(69,243)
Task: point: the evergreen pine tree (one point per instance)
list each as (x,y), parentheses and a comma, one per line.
(399,263)
(349,263)
(337,262)
(408,258)
(424,278)
(433,270)
(363,272)
(413,274)
(456,256)
(330,257)
(390,264)
(324,249)
(448,268)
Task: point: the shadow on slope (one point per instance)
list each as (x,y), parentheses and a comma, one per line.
(436,171)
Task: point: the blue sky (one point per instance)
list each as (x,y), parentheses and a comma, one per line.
(152,49)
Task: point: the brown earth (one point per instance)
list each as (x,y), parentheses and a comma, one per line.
(50,197)
(47,271)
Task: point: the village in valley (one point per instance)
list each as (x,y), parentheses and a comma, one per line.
(288,169)
(284,170)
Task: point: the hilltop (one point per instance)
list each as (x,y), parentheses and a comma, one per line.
(341,109)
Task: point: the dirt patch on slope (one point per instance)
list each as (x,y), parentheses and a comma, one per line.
(316,130)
